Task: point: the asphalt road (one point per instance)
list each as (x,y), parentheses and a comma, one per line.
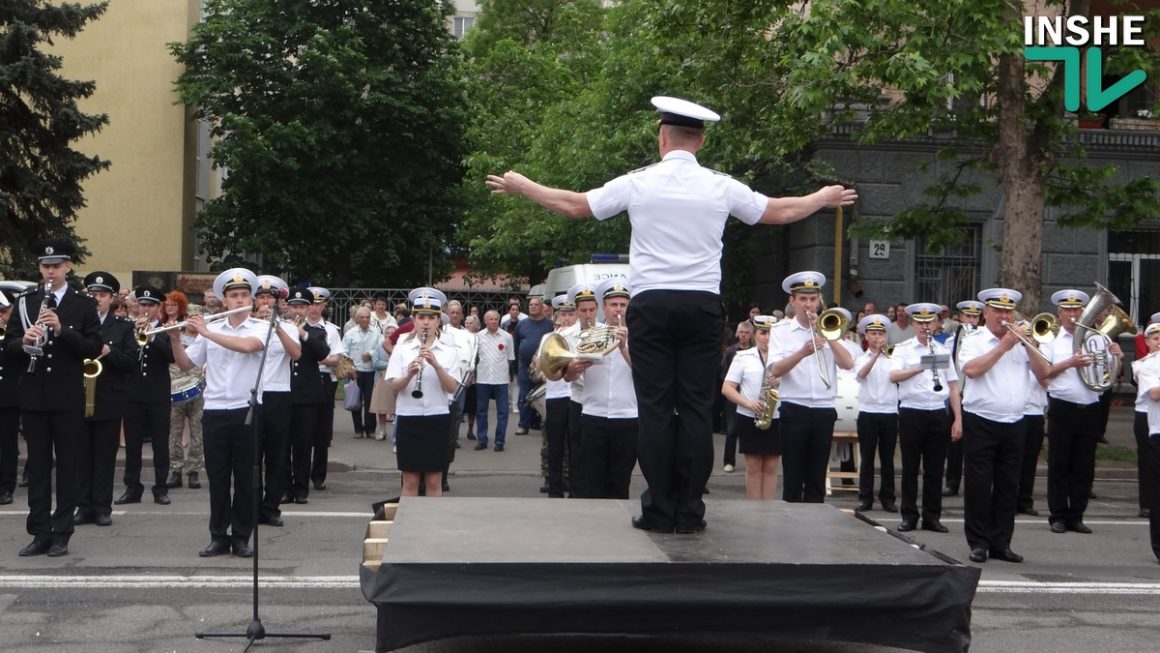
(139,585)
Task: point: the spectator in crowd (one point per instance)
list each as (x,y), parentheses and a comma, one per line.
(359,344)
(380,318)
(529,333)
(901,329)
(471,322)
(491,379)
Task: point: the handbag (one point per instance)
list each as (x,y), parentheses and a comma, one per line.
(353,396)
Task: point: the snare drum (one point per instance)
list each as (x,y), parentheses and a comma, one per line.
(191,390)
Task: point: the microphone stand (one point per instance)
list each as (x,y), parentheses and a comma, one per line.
(256,630)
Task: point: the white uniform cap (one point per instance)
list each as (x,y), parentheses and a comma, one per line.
(970,307)
(807,281)
(581,292)
(1155,317)
(675,111)
(427,300)
(873,322)
(563,303)
(764,322)
(1152,328)
(320,294)
(1070,298)
(1003,298)
(923,311)
(268,283)
(614,287)
(234,278)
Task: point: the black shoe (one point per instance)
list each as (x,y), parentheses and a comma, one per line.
(130,496)
(59,547)
(446,487)
(241,548)
(82,518)
(1103,439)
(194,484)
(287,498)
(37,547)
(6,498)
(890,506)
(23,479)
(950,492)
(1079,527)
(695,528)
(934,525)
(1006,554)
(320,485)
(103,520)
(1030,512)
(978,554)
(645,525)
(480,446)
(1144,512)
(521,431)
(457,445)
(906,526)
(300,500)
(864,506)
(174,480)
(470,435)
(544,488)
(1092,494)
(270,521)
(499,447)
(1058,527)
(161,498)
(215,548)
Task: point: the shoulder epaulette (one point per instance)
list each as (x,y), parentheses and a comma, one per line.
(633,172)
(718,172)
(781,323)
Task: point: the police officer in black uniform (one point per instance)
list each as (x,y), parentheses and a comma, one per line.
(149,409)
(51,331)
(99,444)
(308,394)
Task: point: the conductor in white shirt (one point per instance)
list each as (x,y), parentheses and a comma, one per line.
(678,212)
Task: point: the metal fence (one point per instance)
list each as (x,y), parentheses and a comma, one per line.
(343,300)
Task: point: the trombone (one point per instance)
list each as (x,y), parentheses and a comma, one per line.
(143,334)
(831,324)
(1044,320)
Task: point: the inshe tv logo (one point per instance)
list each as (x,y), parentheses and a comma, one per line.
(1054,38)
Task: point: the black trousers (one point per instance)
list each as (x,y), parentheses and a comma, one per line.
(923,436)
(229,463)
(676,358)
(9,448)
(1151,451)
(877,435)
(954,465)
(806,437)
(1146,481)
(1032,446)
(147,419)
(992,455)
(276,415)
(1072,434)
(52,436)
(325,433)
(575,445)
(729,421)
(364,420)
(557,429)
(97,467)
(304,429)
(609,454)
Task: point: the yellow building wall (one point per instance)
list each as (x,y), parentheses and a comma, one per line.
(139,210)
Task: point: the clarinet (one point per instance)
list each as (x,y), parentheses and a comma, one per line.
(35,351)
(933,370)
(417,393)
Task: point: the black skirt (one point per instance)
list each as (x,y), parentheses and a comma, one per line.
(755,441)
(422,442)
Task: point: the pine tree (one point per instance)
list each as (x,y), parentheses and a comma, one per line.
(40,172)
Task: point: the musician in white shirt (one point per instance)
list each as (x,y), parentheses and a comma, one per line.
(969,313)
(1147,430)
(742,386)
(877,414)
(557,399)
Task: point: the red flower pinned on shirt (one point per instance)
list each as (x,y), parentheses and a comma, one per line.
(500,346)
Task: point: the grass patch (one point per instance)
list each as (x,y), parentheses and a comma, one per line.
(1116,453)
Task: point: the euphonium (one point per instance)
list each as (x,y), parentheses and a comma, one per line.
(92,369)
(769,396)
(1095,340)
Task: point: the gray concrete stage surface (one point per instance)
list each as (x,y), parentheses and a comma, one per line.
(139,585)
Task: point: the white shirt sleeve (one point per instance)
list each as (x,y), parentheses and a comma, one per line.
(610,199)
(746,204)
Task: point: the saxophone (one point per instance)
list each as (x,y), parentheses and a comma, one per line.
(768,395)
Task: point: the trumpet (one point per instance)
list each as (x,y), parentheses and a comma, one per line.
(143,334)
(92,369)
(417,393)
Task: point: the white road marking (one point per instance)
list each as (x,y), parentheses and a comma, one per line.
(287,514)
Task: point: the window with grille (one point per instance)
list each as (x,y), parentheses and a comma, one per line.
(460,25)
(951,273)
(1133,267)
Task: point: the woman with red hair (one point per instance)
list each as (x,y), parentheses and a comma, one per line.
(188,402)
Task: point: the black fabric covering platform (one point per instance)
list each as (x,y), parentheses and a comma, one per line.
(475,566)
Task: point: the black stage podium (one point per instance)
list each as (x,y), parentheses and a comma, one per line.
(477,566)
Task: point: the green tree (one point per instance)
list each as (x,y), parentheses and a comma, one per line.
(340,124)
(40,173)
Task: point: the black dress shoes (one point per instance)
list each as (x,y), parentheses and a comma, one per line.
(1006,554)
(174,480)
(1144,512)
(6,498)
(103,520)
(978,554)
(287,498)
(889,506)
(950,492)
(446,487)
(161,498)
(270,521)
(37,547)
(300,500)
(215,548)
(934,525)
(1058,527)
(130,496)
(59,548)
(320,485)
(863,506)
(646,525)
(242,549)
(695,528)
(1030,512)
(1079,527)
(82,518)
(906,526)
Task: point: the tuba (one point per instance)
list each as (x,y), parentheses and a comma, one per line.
(1095,340)
(92,369)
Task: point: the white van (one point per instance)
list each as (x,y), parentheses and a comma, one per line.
(563,278)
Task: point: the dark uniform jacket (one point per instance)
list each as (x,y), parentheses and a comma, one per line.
(150,381)
(9,381)
(120,334)
(306,384)
(57,384)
